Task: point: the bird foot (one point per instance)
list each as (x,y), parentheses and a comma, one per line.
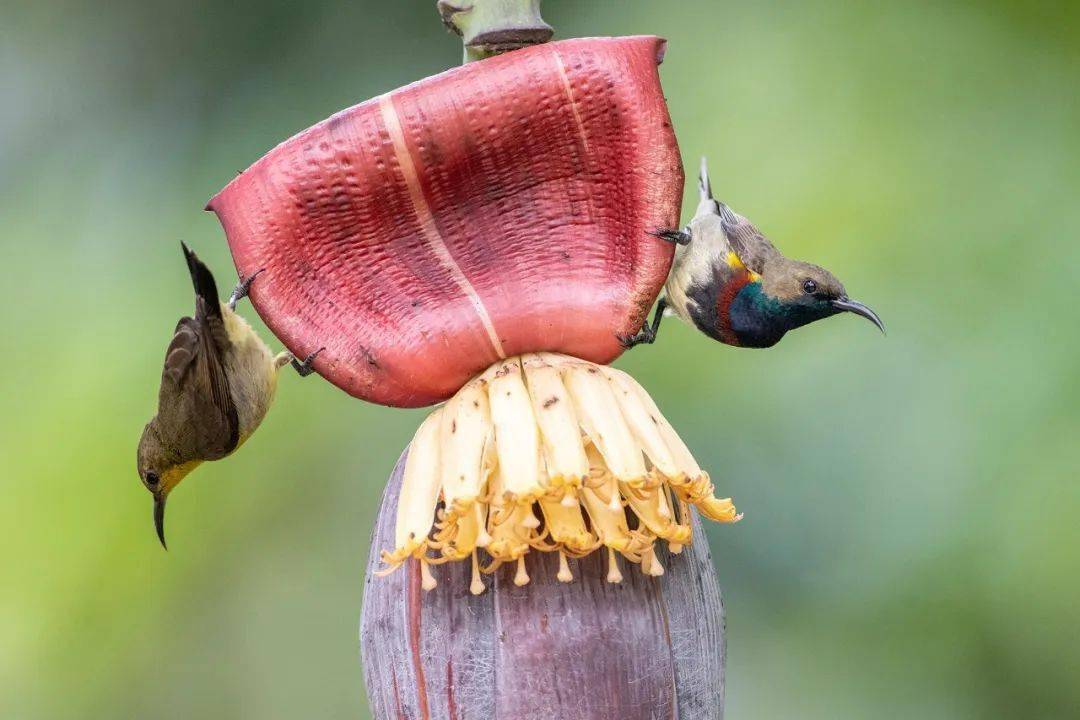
(305,368)
(241,290)
(645,336)
(678,237)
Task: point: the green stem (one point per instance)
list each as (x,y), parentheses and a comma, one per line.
(491,27)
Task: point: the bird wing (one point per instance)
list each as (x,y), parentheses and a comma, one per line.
(748,243)
(195,403)
(745,240)
(195,406)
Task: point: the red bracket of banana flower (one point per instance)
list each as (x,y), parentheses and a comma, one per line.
(495,209)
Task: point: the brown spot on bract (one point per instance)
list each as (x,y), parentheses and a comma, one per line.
(453,426)
(550,401)
(369,358)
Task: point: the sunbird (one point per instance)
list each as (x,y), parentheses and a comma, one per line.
(732,284)
(218,382)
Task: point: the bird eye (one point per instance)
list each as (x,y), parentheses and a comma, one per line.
(809,286)
(151,478)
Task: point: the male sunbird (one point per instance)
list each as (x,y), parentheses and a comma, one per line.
(731,283)
(218,382)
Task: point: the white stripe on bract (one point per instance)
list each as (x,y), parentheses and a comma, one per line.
(424,216)
(569,90)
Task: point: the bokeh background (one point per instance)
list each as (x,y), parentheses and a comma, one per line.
(910,547)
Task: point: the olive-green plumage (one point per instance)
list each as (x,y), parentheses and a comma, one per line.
(731,283)
(217,384)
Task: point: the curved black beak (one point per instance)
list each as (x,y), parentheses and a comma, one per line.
(159,517)
(848,305)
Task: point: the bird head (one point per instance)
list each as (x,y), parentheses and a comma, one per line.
(787,295)
(160,471)
(808,292)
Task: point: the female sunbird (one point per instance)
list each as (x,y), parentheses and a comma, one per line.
(218,382)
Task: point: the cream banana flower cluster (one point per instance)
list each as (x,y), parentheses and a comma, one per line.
(551,453)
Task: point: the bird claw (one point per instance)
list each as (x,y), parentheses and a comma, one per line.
(644,336)
(305,368)
(647,334)
(678,237)
(241,290)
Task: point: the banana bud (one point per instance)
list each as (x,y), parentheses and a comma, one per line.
(650,646)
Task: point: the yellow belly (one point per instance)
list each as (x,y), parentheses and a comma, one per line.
(252,373)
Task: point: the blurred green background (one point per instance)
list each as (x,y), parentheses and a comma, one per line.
(910,547)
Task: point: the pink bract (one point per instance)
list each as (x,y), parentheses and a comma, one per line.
(498,208)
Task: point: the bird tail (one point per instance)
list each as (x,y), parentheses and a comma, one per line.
(206,294)
(704,186)
(708,202)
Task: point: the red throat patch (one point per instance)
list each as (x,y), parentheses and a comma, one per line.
(727,294)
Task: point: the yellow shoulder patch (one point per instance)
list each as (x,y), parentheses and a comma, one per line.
(736,263)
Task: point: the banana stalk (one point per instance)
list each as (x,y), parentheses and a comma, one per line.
(490,27)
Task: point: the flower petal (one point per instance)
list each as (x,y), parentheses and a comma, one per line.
(419,493)
(510,537)
(652,508)
(643,422)
(680,454)
(566,525)
(553,408)
(598,411)
(517,440)
(465,429)
(607,517)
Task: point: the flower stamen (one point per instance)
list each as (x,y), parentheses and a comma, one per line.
(476,587)
(427,580)
(613,574)
(521,577)
(564,574)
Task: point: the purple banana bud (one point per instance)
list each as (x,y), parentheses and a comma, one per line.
(589,649)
